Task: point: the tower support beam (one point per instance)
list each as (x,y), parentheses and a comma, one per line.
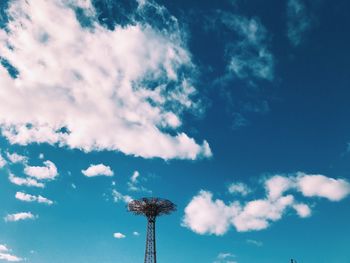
(150,253)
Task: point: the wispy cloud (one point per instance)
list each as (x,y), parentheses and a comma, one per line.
(254,242)
(249,57)
(16,158)
(19,217)
(97,95)
(134,184)
(206,215)
(239,188)
(2,161)
(98,170)
(32,198)
(225,258)
(299,21)
(117,197)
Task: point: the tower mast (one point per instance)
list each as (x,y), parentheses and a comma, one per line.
(151,208)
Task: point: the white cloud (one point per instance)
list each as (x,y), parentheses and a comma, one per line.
(32,198)
(19,216)
(2,161)
(239,188)
(46,172)
(225,258)
(16,158)
(117,196)
(5,255)
(134,184)
(310,185)
(41,156)
(302,210)
(10,257)
(119,235)
(98,170)
(254,242)
(25,181)
(299,21)
(258,214)
(135,233)
(134,177)
(204,215)
(277,185)
(250,56)
(118,90)
(322,186)
(3,248)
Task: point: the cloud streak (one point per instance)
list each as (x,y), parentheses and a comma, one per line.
(19,217)
(32,198)
(30,182)
(5,255)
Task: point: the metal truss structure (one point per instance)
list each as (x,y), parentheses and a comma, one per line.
(151,208)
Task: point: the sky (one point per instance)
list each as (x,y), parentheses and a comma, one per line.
(236,111)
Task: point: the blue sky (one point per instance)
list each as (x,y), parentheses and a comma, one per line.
(236,111)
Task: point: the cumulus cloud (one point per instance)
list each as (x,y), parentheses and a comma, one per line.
(32,198)
(98,170)
(277,185)
(250,56)
(122,90)
(5,254)
(204,215)
(19,216)
(299,21)
(119,235)
(310,185)
(258,214)
(322,186)
(25,181)
(16,158)
(46,172)
(117,197)
(239,188)
(303,210)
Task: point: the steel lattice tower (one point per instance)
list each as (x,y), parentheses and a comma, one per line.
(151,208)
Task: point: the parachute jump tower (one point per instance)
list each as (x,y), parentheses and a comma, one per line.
(151,208)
